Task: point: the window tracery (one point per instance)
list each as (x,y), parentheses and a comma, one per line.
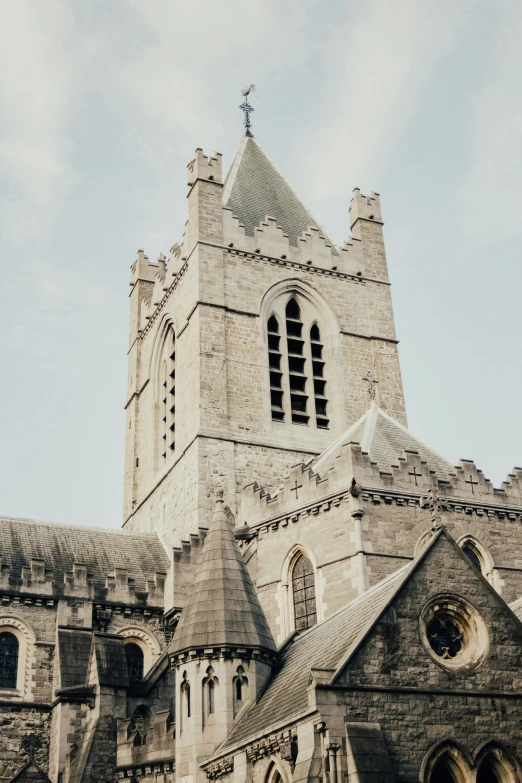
(303,591)
(168,396)
(296,361)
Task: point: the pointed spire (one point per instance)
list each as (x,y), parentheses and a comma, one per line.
(223,609)
(255,188)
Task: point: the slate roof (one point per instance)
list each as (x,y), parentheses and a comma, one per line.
(222,608)
(74,648)
(30,772)
(254,189)
(322,647)
(384,440)
(111,660)
(101,550)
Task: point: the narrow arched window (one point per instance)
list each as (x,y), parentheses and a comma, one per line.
(211,697)
(167,407)
(321,401)
(135,660)
(296,364)
(239,690)
(303,590)
(275,369)
(8,659)
(473,555)
(187,699)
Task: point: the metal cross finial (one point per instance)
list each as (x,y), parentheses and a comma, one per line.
(370,380)
(31,743)
(247,109)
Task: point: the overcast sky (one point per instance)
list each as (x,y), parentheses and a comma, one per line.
(101,107)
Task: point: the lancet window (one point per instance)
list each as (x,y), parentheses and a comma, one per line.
(8,660)
(167,403)
(296,363)
(303,591)
(135,660)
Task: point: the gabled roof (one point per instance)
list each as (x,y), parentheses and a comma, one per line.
(30,772)
(384,440)
(222,608)
(322,646)
(60,546)
(255,188)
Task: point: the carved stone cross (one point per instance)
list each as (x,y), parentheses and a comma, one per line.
(295,489)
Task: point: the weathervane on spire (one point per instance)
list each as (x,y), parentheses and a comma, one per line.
(247,109)
(370,380)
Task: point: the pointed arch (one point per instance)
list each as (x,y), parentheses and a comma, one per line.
(478,554)
(496,764)
(302,337)
(163,375)
(301,591)
(446,761)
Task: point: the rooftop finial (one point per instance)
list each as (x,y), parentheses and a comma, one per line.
(247,109)
(370,380)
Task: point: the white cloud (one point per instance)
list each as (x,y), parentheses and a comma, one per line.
(375,64)
(491,196)
(36,72)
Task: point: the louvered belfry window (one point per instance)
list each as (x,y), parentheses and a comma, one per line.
(274,364)
(303,589)
(321,402)
(168,396)
(8,660)
(297,368)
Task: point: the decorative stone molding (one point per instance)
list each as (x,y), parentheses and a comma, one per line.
(146,770)
(146,641)
(26,642)
(464,639)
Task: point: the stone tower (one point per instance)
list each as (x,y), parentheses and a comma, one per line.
(249,345)
(223,651)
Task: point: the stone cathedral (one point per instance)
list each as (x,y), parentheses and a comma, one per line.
(302,590)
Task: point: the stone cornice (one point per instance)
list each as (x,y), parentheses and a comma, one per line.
(377,496)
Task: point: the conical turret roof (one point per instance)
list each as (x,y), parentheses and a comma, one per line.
(255,188)
(222,609)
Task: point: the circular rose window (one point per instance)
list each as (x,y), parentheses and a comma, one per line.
(453,632)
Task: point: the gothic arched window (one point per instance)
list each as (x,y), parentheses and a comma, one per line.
(303,591)
(167,397)
(297,365)
(211,697)
(473,555)
(8,659)
(135,660)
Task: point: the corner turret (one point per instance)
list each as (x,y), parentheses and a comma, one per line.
(223,650)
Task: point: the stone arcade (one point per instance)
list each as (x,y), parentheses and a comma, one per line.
(302,590)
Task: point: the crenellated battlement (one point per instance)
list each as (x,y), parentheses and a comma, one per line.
(206,168)
(365,207)
(410,477)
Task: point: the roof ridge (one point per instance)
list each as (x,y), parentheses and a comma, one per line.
(68,525)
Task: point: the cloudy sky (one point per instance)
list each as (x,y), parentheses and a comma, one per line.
(101,107)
